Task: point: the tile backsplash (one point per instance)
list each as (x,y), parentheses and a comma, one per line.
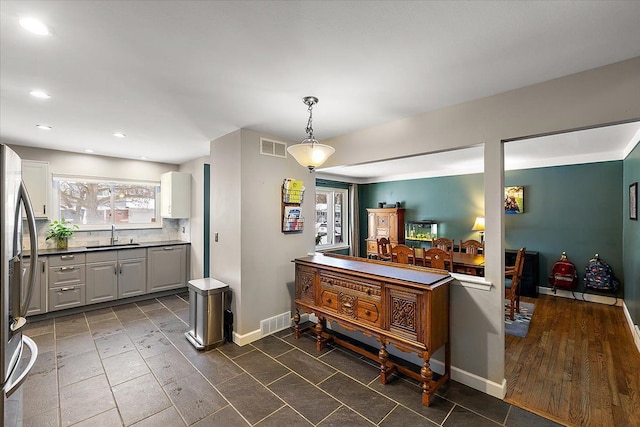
(172,229)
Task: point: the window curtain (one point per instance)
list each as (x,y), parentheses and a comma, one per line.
(354,221)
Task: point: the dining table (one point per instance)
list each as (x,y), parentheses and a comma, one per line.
(472,264)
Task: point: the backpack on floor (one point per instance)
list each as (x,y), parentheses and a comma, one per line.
(599,276)
(563,274)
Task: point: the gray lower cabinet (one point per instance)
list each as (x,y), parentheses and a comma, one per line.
(116,274)
(38,303)
(67,284)
(102,276)
(132,272)
(166,267)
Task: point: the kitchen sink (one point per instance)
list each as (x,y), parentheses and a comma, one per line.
(116,245)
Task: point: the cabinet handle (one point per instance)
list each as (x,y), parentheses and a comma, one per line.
(368,291)
(44,264)
(120,268)
(168,248)
(70,288)
(328,300)
(63,257)
(44,209)
(67,268)
(367,313)
(115,268)
(347,305)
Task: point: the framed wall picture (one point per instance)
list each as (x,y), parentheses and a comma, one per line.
(514,199)
(633,201)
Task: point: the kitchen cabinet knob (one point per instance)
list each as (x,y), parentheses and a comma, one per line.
(70,288)
(347,305)
(67,268)
(328,300)
(367,313)
(63,257)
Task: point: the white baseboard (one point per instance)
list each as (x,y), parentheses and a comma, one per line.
(247,338)
(472,380)
(563,293)
(257,334)
(635,331)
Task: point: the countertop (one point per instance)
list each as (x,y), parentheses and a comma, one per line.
(81,249)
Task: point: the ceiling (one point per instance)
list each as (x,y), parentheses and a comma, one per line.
(585,146)
(174,75)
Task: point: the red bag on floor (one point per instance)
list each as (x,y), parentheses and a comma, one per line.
(563,274)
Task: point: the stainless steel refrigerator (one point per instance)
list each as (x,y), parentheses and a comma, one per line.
(16,362)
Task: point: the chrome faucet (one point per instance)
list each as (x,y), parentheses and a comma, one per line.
(113,238)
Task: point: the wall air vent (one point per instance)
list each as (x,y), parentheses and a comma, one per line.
(269,147)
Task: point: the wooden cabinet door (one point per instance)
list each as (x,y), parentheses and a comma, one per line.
(132,277)
(102,282)
(393,227)
(372,225)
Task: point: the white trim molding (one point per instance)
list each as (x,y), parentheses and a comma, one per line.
(600,299)
(474,282)
(472,380)
(635,330)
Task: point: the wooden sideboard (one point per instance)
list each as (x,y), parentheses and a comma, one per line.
(403,305)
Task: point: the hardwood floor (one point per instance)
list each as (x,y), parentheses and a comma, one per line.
(577,365)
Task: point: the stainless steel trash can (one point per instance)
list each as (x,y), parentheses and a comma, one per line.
(207,299)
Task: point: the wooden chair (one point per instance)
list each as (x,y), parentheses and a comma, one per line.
(512,282)
(403,254)
(471,247)
(443,243)
(437,258)
(384,249)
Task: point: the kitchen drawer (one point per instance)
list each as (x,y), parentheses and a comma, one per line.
(369,311)
(66,297)
(102,256)
(132,253)
(329,299)
(66,275)
(66,259)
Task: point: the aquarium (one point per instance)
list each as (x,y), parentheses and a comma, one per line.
(424,231)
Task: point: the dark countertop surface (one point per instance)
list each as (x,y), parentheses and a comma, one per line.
(82,249)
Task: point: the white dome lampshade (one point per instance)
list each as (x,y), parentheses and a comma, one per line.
(310,153)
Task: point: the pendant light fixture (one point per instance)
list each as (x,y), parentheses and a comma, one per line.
(310,153)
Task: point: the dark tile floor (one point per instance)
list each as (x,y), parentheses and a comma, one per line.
(132,365)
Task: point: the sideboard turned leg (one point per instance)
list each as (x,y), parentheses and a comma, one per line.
(296,325)
(427,375)
(383,355)
(319,341)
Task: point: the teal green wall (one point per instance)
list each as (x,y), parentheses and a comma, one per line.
(574,208)
(631,244)
(453,201)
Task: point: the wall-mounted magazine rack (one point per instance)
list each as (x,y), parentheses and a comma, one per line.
(292,197)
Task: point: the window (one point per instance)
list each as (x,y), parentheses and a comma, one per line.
(332,225)
(94,204)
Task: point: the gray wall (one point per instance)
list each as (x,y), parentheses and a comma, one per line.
(603,95)
(631,243)
(253,255)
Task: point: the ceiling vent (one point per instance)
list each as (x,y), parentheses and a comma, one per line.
(269,147)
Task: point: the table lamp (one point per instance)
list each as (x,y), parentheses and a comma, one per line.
(479,226)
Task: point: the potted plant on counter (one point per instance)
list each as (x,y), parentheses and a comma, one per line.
(61,231)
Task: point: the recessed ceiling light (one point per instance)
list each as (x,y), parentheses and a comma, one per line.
(119,134)
(44,127)
(88,150)
(35,26)
(40,94)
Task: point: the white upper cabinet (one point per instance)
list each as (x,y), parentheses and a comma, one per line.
(175,195)
(35,175)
